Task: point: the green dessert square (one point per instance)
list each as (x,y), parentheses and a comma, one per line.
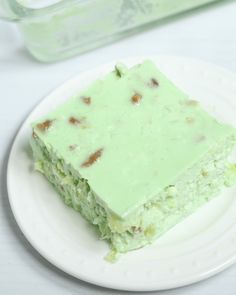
(133,154)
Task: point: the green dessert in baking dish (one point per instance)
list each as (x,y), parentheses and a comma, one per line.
(133,154)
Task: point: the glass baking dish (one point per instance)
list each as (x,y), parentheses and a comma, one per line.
(57,29)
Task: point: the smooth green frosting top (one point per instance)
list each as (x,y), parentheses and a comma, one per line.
(130,134)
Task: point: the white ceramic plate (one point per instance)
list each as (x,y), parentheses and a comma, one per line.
(199,247)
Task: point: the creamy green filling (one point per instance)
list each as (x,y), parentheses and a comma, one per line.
(198,185)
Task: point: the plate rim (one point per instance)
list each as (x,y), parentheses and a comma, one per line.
(99,282)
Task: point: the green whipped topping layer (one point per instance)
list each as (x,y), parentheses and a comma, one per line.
(130,135)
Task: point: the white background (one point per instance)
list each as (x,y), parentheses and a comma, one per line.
(208,34)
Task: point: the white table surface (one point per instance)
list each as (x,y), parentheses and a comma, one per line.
(208,34)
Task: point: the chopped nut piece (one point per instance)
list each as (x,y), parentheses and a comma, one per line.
(92,158)
(81,122)
(86,99)
(136,98)
(74,121)
(45,125)
(154,83)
